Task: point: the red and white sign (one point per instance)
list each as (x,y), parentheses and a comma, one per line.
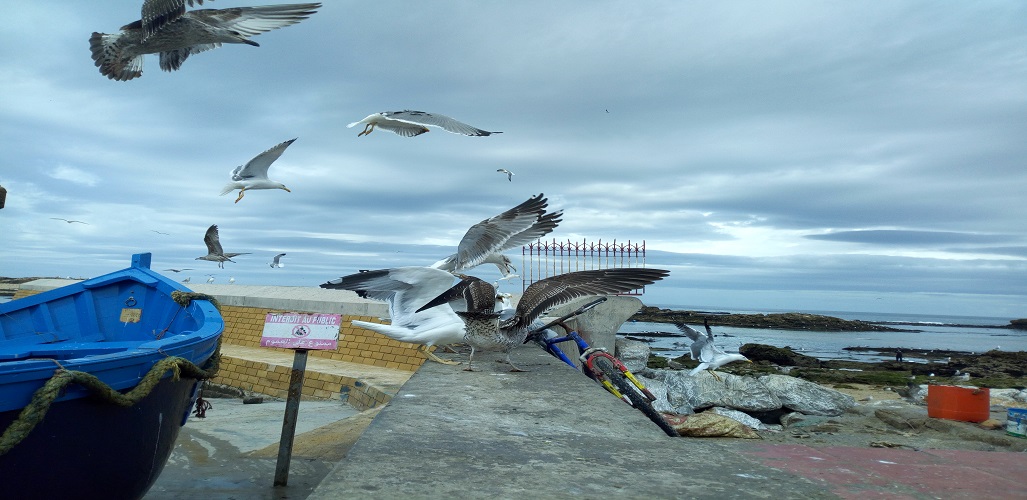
(301,331)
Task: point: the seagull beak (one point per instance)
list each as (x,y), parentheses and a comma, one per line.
(287,190)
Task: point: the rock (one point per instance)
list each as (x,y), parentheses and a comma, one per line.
(782,321)
(807,397)
(633,353)
(687,393)
(710,424)
(991,425)
(745,418)
(777,355)
(659,389)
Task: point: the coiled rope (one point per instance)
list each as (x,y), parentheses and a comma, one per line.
(35,411)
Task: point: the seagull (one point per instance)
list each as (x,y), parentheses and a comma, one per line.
(486,241)
(214,251)
(253,175)
(188,279)
(489,330)
(709,355)
(231,280)
(509,174)
(167,29)
(70,221)
(160,232)
(210,280)
(277,262)
(179,270)
(406,289)
(412,123)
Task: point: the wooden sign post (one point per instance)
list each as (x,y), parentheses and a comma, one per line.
(300,332)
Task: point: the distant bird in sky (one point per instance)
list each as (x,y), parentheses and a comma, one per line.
(214,251)
(188,279)
(509,174)
(486,330)
(703,349)
(179,270)
(160,232)
(486,241)
(253,175)
(277,262)
(406,289)
(70,221)
(167,29)
(412,123)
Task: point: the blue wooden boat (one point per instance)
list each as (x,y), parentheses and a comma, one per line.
(115,327)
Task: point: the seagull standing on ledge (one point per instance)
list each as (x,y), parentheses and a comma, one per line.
(710,356)
(167,29)
(253,175)
(413,123)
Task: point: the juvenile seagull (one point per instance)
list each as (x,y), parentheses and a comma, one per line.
(253,175)
(709,355)
(214,251)
(509,174)
(406,289)
(167,29)
(485,328)
(277,262)
(411,123)
(70,221)
(486,241)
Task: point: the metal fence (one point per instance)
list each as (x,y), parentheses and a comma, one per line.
(543,259)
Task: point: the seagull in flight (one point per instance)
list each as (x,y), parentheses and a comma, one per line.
(70,221)
(486,241)
(488,330)
(703,349)
(210,279)
(214,251)
(179,270)
(509,174)
(160,232)
(277,261)
(253,175)
(412,123)
(188,279)
(165,28)
(406,289)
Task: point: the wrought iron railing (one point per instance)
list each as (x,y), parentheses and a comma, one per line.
(542,259)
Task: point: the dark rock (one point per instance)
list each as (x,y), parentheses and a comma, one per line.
(778,355)
(781,321)
(1019,324)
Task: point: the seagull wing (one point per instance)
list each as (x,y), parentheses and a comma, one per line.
(698,340)
(255,20)
(213,241)
(446,123)
(158,13)
(257,167)
(493,235)
(478,295)
(404,288)
(277,259)
(541,296)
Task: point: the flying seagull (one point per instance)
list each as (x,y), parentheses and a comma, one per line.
(277,262)
(486,330)
(160,232)
(253,175)
(486,241)
(214,250)
(168,30)
(709,355)
(509,174)
(188,279)
(179,270)
(406,289)
(210,280)
(70,221)
(411,123)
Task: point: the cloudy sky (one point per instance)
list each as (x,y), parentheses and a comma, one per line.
(824,155)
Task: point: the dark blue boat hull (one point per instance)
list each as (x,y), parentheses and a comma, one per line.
(86,448)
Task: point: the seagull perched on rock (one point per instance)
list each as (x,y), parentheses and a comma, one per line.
(406,289)
(214,251)
(412,123)
(168,30)
(486,241)
(509,174)
(703,349)
(277,261)
(253,175)
(485,328)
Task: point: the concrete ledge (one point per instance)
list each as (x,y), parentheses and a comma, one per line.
(294,298)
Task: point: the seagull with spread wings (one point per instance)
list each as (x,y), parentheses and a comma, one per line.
(486,241)
(703,349)
(253,175)
(406,289)
(214,251)
(277,261)
(509,174)
(165,28)
(70,221)
(488,330)
(409,123)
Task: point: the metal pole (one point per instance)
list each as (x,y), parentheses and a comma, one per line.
(292,409)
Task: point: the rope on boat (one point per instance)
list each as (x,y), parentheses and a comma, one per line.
(35,411)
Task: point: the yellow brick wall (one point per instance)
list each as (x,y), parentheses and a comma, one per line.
(244,325)
(24,293)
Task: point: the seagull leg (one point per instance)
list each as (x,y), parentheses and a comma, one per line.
(513,367)
(715,375)
(430,355)
(241,193)
(469,358)
(367,129)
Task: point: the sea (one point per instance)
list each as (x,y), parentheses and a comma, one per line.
(972,334)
